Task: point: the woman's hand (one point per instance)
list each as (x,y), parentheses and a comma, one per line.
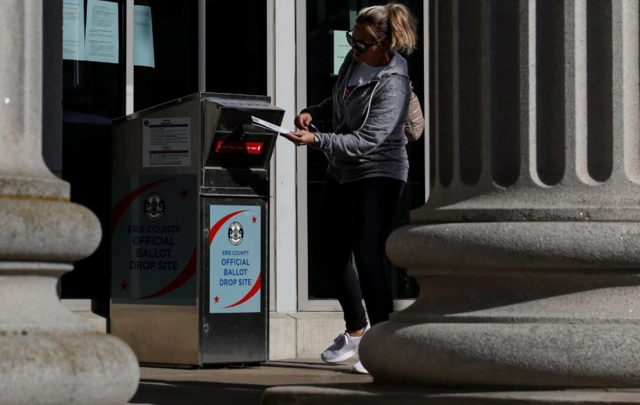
(300,138)
(303,121)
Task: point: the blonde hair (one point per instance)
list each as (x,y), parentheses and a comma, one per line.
(394,22)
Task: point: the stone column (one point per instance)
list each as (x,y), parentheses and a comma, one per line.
(47,354)
(528,250)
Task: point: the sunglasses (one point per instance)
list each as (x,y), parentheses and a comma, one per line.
(360,46)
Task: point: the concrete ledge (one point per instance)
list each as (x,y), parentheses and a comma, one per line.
(282,337)
(302,334)
(373,394)
(298,335)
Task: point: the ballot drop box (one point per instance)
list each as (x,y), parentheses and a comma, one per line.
(189,227)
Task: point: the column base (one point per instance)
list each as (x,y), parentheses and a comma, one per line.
(60,368)
(49,355)
(529,304)
(532,355)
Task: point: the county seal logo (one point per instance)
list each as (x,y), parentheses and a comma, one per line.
(154,207)
(236,233)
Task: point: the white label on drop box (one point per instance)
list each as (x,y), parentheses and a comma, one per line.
(166,142)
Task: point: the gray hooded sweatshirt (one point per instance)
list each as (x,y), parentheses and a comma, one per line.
(368,138)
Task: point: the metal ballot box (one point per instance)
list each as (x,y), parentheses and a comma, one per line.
(189,228)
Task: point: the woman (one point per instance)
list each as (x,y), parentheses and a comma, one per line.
(368,166)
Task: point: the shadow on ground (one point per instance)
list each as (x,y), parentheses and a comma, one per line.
(192,393)
(234,386)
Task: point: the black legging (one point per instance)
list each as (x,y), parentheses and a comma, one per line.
(357,217)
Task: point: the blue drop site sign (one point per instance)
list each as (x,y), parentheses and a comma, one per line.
(235,258)
(154,240)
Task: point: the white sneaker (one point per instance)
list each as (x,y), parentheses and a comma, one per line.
(358,368)
(343,348)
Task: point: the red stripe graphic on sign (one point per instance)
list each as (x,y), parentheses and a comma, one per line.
(188,271)
(250,294)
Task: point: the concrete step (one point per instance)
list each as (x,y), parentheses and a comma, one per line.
(291,335)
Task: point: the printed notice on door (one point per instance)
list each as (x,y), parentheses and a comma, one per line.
(166,142)
(101,39)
